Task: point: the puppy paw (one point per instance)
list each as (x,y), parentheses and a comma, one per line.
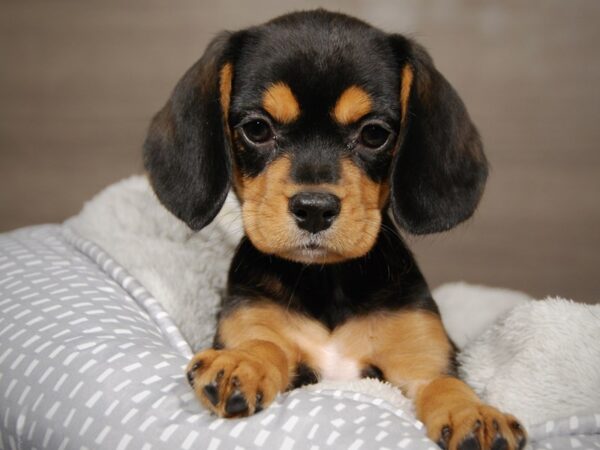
(476,427)
(233,383)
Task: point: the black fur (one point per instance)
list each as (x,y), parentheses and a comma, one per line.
(434,163)
(372,371)
(186,152)
(304,376)
(438,171)
(319,55)
(386,278)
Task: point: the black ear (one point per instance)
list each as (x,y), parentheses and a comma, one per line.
(187,151)
(439,171)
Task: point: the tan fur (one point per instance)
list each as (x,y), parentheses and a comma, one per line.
(265,207)
(225,77)
(410,347)
(255,367)
(353,104)
(264,343)
(265,321)
(272,230)
(280,103)
(447,401)
(225,83)
(407,79)
(407,345)
(259,354)
(272,285)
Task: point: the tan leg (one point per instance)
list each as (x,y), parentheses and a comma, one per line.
(239,381)
(413,352)
(264,344)
(456,419)
(258,361)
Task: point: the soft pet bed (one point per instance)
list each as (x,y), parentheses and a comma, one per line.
(92,350)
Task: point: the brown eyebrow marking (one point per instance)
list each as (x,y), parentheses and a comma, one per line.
(225,77)
(280,103)
(353,104)
(407,78)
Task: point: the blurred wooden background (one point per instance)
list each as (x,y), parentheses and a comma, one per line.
(79,82)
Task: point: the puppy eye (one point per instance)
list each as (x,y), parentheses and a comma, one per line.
(257,131)
(373,135)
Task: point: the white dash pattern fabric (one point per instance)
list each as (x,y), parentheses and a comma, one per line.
(89,360)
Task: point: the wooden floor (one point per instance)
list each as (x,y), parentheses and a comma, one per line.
(79,82)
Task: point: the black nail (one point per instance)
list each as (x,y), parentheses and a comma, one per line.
(259,400)
(190,377)
(236,403)
(445,437)
(211,391)
(499,443)
(470,443)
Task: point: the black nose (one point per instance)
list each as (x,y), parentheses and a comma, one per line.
(314,211)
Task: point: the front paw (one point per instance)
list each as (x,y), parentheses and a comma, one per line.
(476,426)
(233,383)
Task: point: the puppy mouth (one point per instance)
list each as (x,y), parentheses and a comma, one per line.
(310,249)
(308,255)
(312,246)
(313,251)
(312,242)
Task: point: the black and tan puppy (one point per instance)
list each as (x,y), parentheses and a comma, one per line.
(321,124)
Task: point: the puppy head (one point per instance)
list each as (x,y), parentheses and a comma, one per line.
(319,122)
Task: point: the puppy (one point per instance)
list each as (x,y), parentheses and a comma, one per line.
(322,124)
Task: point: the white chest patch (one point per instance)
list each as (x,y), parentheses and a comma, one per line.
(333,365)
(336,355)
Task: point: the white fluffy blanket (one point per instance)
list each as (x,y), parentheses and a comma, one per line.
(537,359)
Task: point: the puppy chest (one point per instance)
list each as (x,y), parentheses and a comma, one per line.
(335,355)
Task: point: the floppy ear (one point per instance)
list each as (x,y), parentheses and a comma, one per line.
(187,150)
(439,170)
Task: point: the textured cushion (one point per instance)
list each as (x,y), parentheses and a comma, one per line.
(88,359)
